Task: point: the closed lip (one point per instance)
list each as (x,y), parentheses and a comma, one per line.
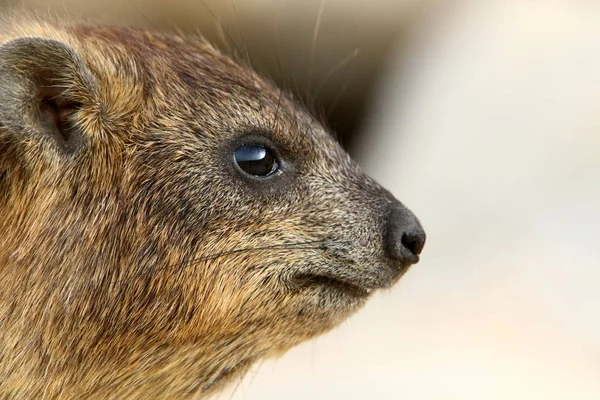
(335,283)
(353,282)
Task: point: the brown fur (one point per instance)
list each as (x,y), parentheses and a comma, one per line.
(138,265)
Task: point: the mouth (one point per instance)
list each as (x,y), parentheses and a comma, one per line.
(333,284)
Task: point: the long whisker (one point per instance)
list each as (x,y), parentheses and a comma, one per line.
(237,51)
(313,118)
(335,101)
(290,246)
(247,54)
(274,123)
(280,70)
(313,46)
(335,69)
(143,15)
(221,25)
(338,67)
(308,245)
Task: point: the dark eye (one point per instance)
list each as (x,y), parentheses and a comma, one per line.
(256,160)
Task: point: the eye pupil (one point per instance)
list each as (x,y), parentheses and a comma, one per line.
(256,160)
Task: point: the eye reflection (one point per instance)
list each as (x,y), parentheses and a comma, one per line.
(256,160)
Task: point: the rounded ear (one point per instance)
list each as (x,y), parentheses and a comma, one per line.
(43,83)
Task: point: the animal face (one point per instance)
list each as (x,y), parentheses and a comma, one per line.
(171,217)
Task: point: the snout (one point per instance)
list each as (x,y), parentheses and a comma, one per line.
(404,237)
(355,271)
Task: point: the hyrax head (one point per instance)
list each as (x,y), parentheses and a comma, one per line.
(168,217)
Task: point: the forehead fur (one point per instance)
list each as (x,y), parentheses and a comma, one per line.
(143,74)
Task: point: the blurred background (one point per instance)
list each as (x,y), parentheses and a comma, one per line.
(483,117)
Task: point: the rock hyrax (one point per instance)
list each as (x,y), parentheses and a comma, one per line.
(168,217)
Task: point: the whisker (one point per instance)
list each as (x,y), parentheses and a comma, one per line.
(337,98)
(237,53)
(221,25)
(308,245)
(335,101)
(247,54)
(143,15)
(236,387)
(313,118)
(313,46)
(274,124)
(254,374)
(347,60)
(280,71)
(286,246)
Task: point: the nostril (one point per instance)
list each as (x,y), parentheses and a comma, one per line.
(404,237)
(413,241)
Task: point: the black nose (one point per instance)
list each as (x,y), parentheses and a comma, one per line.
(404,236)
